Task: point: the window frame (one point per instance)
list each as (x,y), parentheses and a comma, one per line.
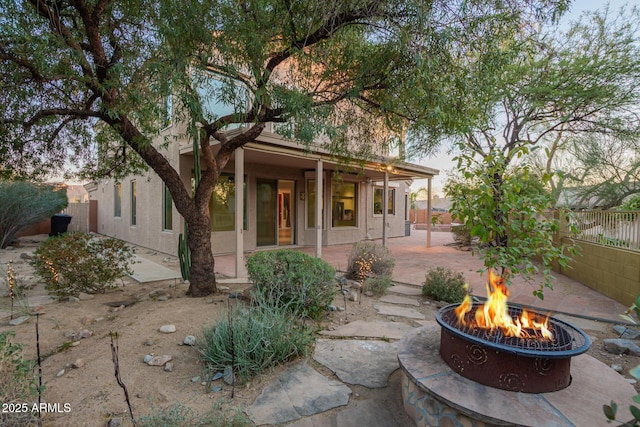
(117,200)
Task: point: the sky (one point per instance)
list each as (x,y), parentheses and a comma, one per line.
(443,161)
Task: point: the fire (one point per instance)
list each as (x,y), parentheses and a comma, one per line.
(494,313)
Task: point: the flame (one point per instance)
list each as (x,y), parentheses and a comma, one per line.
(494,313)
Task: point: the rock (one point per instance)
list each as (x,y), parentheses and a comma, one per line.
(189,340)
(74,344)
(60,373)
(617,368)
(114,422)
(18,320)
(70,335)
(167,329)
(229,376)
(632,381)
(85,333)
(159,360)
(368,294)
(148,343)
(26,255)
(216,376)
(353,296)
(340,308)
(79,363)
(621,346)
(626,332)
(73,299)
(223,288)
(168,367)
(196,379)
(215,389)
(84,297)
(163,298)
(147,358)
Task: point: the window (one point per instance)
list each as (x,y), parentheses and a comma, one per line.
(133,202)
(222,206)
(311,204)
(117,200)
(378,195)
(344,204)
(167,209)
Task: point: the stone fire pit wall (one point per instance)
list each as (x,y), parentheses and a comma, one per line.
(435,395)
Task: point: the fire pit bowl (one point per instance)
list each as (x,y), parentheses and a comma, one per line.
(530,365)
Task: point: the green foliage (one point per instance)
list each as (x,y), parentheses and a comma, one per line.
(461,234)
(503,207)
(303,284)
(25,203)
(443,284)
(378,285)
(254,339)
(179,415)
(78,262)
(369,259)
(18,383)
(634,309)
(611,410)
(631,204)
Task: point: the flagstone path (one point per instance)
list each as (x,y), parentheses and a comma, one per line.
(301,395)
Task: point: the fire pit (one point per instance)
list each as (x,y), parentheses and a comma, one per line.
(530,364)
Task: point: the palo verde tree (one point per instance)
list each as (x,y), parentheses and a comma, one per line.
(85,80)
(585,81)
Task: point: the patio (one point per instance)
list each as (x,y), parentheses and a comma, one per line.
(414,259)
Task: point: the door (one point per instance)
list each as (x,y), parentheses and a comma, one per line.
(266,212)
(286,214)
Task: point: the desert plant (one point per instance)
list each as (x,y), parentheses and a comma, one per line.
(25,203)
(305,285)
(18,384)
(369,259)
(443,284)
(378,285)
(461,234)
(253,339)
(78,262)
(179,415)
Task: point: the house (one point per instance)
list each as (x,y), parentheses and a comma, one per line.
(273,193)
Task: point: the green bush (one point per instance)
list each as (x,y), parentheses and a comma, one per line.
(461,234)
(77,262)
(254,339)
(369,259)
(305,285)
(443,284)
(18,383)
(25,203)
(378,285)
(179,415)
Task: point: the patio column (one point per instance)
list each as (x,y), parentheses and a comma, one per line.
(385,207)
(428,212)
(319,193)
(239,217)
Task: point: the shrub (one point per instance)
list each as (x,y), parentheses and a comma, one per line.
(25,203)
(443,284)
(302,283)
(369,259)
(378,285)
(77,262)
(461,234)
(179,415)
(254,339)
(18,383)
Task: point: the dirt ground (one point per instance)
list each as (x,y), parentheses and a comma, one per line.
(135,312)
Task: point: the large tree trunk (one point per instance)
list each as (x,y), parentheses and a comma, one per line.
(202,278)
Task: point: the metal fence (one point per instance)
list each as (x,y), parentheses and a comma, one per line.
(619,229)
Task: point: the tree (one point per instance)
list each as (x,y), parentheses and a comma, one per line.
(78,71)
(26,203)
(584,82)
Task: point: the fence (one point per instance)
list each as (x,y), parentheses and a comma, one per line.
(85,218)
(618,229)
